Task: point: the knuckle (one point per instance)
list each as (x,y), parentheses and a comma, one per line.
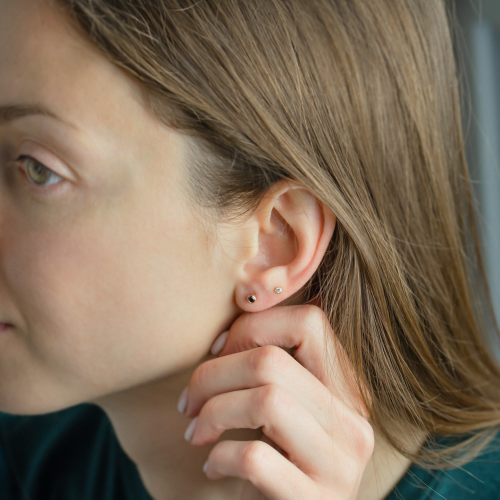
(253,460)
(352,471)
(311,318)
(210,410)
(202,373)
(269,400)
(348,473)
(364,440)
(368,440)
(268,360)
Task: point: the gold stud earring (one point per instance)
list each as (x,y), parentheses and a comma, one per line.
(251,299)
(278,290)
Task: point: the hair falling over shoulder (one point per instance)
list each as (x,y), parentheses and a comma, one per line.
(358,100)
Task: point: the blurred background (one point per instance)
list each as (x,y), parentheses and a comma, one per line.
(477,47)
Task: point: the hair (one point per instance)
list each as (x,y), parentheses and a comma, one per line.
(358,100)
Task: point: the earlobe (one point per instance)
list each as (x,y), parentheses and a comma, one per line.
(290,232)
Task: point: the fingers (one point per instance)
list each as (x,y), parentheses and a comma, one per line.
(306,330)
(255,461)
(290,327)
(319,438)
(271,365)
(282,418)
(255,368)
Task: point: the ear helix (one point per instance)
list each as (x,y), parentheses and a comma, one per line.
(252,298)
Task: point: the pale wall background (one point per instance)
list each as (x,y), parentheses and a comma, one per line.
(478,53)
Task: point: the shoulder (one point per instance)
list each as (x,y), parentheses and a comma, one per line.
(478,479)
(481,476)
(58,454)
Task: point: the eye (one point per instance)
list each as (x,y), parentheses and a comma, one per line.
(38,173)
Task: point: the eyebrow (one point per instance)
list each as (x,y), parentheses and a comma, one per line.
(16,111)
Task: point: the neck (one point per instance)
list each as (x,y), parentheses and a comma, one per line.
(151,432)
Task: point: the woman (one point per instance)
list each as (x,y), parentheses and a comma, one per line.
(265,202)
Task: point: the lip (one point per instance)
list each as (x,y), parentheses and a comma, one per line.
(5,327)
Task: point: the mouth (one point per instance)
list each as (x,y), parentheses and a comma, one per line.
(5,327)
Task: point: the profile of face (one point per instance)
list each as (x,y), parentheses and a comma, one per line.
(105,277)
(108,278)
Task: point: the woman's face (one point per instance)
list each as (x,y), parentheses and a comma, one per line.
(104,269)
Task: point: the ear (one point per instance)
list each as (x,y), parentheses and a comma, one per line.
(288,235)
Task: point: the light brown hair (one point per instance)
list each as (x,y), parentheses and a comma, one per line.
(359,101)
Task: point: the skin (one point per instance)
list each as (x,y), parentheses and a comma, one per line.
(113,292)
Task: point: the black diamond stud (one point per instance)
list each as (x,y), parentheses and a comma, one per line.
(251,299)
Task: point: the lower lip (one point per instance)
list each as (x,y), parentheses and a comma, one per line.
(5,327)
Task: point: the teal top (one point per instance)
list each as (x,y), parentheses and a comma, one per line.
(74,455)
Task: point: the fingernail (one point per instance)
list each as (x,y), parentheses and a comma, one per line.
(219,343)
(205,467)
(190,430)
(181,405)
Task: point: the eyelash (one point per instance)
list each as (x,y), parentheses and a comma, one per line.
(22,161)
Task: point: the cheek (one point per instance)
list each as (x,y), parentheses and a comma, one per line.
(108,308)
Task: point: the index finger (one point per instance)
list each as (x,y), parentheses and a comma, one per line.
(306,331)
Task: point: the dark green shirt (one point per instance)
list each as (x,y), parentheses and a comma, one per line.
(74,455)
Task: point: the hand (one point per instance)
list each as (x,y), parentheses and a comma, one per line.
(305,404)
